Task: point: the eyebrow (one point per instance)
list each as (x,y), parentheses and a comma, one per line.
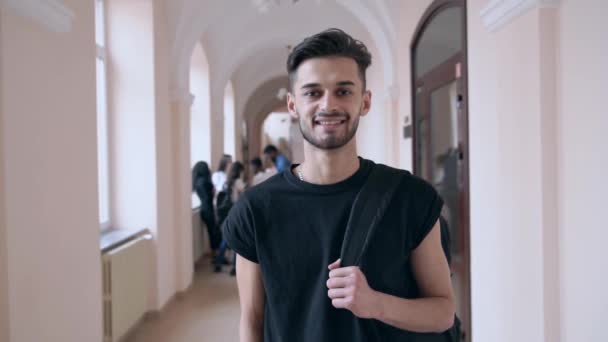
(314,85)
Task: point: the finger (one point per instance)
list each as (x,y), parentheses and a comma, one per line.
(342,272)
(342,303)
(339,292)
(334,283)
(334,265)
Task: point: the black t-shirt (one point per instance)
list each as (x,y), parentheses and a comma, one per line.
(294,230)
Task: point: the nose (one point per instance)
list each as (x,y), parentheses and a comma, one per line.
(329,103)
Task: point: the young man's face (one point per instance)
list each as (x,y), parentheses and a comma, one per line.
(328,99)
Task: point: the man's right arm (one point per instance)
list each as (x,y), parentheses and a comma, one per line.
(252,299)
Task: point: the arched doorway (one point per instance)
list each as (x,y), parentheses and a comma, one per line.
(440,148)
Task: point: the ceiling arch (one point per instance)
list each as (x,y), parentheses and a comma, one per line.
(233,34)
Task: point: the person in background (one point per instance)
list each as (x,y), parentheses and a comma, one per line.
(255,168)
(280,161)
(219,176)
(202,186)
(231,192)
(259,173)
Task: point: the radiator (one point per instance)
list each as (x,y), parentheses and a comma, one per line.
(127,282)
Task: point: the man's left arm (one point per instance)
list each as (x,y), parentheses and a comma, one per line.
(432,312)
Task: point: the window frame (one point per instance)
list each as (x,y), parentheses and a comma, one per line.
(102,115)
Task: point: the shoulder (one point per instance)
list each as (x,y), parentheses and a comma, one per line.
(408,183)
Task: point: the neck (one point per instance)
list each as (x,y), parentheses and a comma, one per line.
(329,166)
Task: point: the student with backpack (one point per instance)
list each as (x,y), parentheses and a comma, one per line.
(319,257)
(232,190)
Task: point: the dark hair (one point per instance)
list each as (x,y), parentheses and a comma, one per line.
(256,163)
(200,170)
(331,42)
(235,172)
(272,151)
(226,158)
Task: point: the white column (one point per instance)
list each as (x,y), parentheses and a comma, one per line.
(393,124)
(181,104)
(4,288)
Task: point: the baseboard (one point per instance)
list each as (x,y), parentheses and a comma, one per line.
(156,314)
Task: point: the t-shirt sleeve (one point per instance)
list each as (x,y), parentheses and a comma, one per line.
(424,212)
(239,230)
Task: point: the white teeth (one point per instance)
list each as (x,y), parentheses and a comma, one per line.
(329,122)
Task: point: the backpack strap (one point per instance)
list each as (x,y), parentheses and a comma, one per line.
(367,211)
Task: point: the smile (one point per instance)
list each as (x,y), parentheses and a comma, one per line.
(330,122)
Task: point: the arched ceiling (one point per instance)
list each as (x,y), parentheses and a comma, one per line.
(242,42)
(263,99)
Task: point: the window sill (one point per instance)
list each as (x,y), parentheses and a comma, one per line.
(113,238)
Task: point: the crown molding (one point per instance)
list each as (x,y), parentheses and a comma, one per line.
(51,14)
(499,13)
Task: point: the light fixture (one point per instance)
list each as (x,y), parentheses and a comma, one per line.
(281,94)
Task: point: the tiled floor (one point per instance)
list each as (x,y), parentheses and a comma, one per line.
(208,312)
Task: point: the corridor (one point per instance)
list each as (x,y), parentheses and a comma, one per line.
(208,311)
(114,114)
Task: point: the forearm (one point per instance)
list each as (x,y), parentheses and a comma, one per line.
(251,329)
(432,314)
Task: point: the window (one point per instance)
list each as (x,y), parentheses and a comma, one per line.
(102,117)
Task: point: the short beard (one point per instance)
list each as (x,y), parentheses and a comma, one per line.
(330,143)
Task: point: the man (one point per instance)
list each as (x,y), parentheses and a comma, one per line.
(279,160)
(288,231)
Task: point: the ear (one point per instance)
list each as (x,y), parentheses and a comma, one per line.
(291,106)
(367,102)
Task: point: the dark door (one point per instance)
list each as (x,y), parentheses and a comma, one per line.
(441,130)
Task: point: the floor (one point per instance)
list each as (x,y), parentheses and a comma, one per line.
(209,311)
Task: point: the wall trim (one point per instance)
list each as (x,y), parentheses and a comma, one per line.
(51,14)
(499,13)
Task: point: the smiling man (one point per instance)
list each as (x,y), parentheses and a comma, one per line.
(288,231)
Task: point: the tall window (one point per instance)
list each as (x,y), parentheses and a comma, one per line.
(102,117)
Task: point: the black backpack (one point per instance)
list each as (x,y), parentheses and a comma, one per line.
(365,218)
(223,204)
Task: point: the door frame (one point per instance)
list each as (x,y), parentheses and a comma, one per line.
(435,8)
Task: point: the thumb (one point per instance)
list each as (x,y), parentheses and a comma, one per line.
(334,265)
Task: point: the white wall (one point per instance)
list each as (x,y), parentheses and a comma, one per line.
(216,101)
(230,128)
(182,187)
(528,208)
(4,302)
(583,165)
(276,127)
(200,130)
(165,232)
(506,227)
(50,178)
(373,136)
(132,107)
